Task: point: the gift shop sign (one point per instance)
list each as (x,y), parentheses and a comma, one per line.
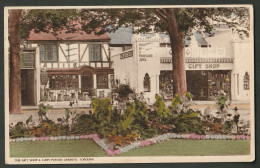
(208,66)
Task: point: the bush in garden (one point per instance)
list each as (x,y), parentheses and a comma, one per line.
(188,122)
(85,124)
(222,101)
(135,120)
(182,103)
(159,106)
(102,109)
(19,130)
(121,140)
(43,108)
(228,126)
(105,119)
(124,91)
(49,128)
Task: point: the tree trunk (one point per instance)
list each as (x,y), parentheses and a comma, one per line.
(177,46)
(15,72)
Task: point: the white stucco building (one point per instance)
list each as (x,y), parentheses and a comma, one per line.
(213,62)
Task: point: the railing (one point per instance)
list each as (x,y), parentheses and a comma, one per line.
(94,64)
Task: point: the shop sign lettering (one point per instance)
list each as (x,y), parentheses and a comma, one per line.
(126,54)
(144,56)
(203,66)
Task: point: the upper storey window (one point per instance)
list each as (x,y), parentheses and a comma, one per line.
(49,52)
(95,52)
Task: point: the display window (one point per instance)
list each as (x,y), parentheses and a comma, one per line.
(207,85)
(166,84)
(60,82)
(102,81)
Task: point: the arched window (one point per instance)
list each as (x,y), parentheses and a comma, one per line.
(246,81)
(147,83)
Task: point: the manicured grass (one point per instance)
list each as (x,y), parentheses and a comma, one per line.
(87,148)
(179,147)
(68,148)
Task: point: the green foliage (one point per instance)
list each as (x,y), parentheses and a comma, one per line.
(188,122)
(49,128)
(188,95)
(124,91)
(136,119)
(19,130)
(67,114)
(159,106)
(176,101)
(29,120)
(228,126)
(85,124)
(222,101)
(102,109)
(47,20)
(43,108)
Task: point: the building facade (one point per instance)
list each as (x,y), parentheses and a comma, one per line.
(214,63)
(65,67)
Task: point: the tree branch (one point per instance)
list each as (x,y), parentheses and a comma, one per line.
(161,15)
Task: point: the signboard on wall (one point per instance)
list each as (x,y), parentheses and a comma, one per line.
(209,66)
(145,51)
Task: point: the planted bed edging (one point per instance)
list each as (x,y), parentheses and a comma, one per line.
(138,144)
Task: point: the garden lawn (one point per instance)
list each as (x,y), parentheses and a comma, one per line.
(87,148)
(67,148)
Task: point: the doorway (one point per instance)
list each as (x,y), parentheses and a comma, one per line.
(197,84)
(87,82)
(27,87)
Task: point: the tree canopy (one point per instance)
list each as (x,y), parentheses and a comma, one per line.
(177,22)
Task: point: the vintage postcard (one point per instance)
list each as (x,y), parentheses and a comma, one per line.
(129,84)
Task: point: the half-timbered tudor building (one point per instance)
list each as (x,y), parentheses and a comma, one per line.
(65,67)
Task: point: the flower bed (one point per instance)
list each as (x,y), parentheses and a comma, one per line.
(137,144)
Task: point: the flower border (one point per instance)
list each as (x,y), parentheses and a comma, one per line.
(139,144)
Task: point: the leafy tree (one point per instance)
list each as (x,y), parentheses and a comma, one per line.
(177,22)
(20,24)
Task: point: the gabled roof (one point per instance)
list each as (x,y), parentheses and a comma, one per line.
(65,36)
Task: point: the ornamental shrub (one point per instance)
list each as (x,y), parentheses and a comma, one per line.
(222,101)
(188,122)
(124,91)
(19,130)
(161,110)
(102,109)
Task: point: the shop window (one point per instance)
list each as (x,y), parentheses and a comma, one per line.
(166,84)
(60,82)
(95,52)
(102,81)
(147,83)
(49,52)
(246,81)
